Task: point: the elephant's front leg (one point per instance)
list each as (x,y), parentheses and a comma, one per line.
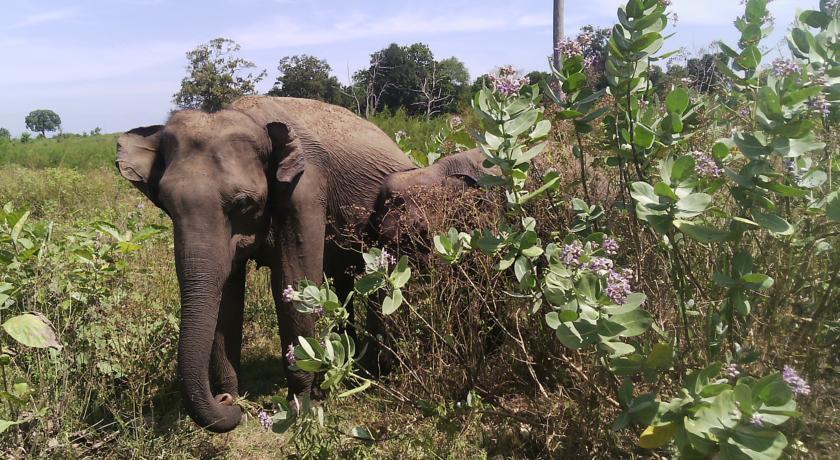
(300,235)
(227,343)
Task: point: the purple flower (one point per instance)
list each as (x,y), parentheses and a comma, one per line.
(265,420)
(600,265)
(618,285)
(705,165)
(288,294)
(732,371)
(744,112)
(385,260)
(571,48)
(507,81)
(571,253)
(785,67)
(610,245)
(821,105)
(290,354)
(796,383)
(757,421)
(318,311)
(793,169)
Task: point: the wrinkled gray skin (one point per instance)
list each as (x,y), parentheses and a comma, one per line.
(399,221)
(268,179)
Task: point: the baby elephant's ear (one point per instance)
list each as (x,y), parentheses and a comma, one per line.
(287,151)
(138,158)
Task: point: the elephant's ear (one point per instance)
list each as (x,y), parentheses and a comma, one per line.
(138,159)
(287,151)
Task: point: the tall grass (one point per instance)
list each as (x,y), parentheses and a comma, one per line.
(82,153)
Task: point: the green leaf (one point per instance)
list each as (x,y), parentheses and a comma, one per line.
(364,386)
(521,123)
(633,301)
(643,136)
(552,319)
(677,100)
(832,206)
(662,189)
(32,330)
(6,424)
(757,281)
(720,151)
(749,58)
(683,168)
(361,432)
(635,322)
(815,19)
(770,104)
(577,334)
(754,443)
(392,302)
(694,203)
(541,130)
(773,223)
(661,356)
(701,233)
(402,273)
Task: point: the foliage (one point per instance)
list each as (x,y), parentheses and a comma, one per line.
(410,78)
(215,77)
(43,120)
(82,153)
(5,134)
(307,77)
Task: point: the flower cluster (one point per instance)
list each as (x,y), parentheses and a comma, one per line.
(618,285)
(797,384)
(289,294)
(385,260)
(290,354)
(571,253)
(571,48)
(507,81)
(705,165)
(265,420)
(732,371)
(785,67)
(757,421)
(599,265)
(610,245)
(820,105)
(793,169)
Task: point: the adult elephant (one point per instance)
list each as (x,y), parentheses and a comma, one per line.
(268,179)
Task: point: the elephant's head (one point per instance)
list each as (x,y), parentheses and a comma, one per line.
(400,212)
(214,175)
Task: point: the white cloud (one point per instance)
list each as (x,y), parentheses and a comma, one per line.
(44,17)
(284,31)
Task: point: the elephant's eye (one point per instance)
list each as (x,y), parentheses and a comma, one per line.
(245,205)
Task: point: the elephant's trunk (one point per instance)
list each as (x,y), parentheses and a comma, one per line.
(202,273)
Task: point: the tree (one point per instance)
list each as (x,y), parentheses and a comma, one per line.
(42,121)
(703,71)
(5,134)
(307,77)
(215,77)
(410,78)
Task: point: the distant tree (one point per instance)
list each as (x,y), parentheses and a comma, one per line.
(309,77)
(5,134)
(410,78)
(215,77)
(42,121)
(25,137)
(480,82)
(96,131)
(703,72)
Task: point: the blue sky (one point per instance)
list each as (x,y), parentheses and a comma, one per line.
(116,63)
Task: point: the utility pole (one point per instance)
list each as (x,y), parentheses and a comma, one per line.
(559,7)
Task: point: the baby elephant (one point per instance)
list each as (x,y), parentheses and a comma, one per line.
(401,222)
